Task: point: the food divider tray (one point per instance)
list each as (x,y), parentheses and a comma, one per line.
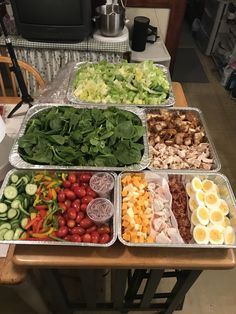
(169,102)
(17,161)
(113,221)
(225,192)
(199,115)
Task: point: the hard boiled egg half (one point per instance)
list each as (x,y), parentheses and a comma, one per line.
(201,234)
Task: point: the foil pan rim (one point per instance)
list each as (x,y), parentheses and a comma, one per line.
(184,246)
(170,101)
(71,244)
(208,136)
(17,162)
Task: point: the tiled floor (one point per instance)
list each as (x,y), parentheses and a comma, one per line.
(214,291)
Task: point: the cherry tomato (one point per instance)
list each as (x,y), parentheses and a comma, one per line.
(67,238)
(83,207)
(71,213)
(84,184)
(76,230)
(90,192)
(86,223)
(67,184)
(72,178)
(70,195)
(61,197)
(79,217)
(74,185)
(62,232)
(62,206)
(76,204)
(104,229)
(61,221)
(80,191)
(95,237)
(87,199)
(75,238)
(70,223)
(68,203)
(86,237)
(85,177)
(91,229)
(80,230)
(104,238)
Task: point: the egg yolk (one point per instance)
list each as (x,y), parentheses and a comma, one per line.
(207,185)
(216,216)
(197,183)
(200,195)
(215,235)
(211,199)
(200,234)
(224,207)
(203,213)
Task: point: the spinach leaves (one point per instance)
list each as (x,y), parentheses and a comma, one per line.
(83,137)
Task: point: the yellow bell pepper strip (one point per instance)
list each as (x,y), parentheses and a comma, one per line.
(43,235)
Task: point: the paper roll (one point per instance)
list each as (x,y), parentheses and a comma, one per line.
(2,129)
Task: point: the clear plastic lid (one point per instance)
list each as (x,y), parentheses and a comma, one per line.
(100,210)
(102,183)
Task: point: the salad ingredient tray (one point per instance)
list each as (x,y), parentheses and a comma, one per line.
(50,208)
(141,84)
(188,210)
(77,137)
(179,140)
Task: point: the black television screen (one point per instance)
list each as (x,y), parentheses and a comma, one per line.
(53,20)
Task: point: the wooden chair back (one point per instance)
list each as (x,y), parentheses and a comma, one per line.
(10,94)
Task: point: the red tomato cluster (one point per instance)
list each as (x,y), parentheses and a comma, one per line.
(74,224)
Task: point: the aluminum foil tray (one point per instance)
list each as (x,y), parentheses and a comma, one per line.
(17,162)
(170,101)
(113,221)
(213,153)
(225,192)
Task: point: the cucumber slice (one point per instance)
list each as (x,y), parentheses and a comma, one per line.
(3,208)
(3,215)
(12,213)
(8,235)
(5,225)
(17,233)
(2,232)
(3,219)
(24,222)
(26,179)
(10,192)
(14,178)
(31,189)
(15,203)
(15,224)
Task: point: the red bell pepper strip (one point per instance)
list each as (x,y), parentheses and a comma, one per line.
(32,222)
(40,207)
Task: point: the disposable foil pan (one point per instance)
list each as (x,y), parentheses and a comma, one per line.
(113,224)
(169,102)
(226,193)
(198,113)
(17,162)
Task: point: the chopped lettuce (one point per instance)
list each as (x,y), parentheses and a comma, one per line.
(121,83)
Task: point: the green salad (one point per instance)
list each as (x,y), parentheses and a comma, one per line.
(121,83)
(83,137)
